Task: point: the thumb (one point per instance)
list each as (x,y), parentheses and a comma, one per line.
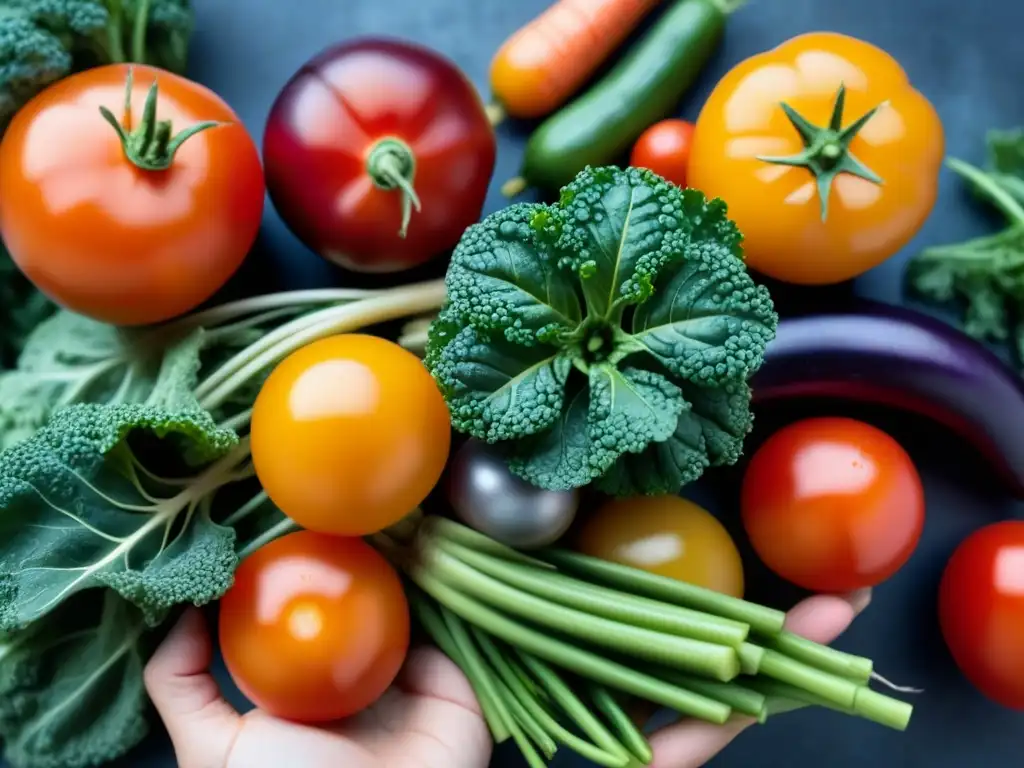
(201,724)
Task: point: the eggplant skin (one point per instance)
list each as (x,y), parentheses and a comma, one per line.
(898,357)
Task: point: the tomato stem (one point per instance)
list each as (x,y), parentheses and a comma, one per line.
(826,152)
(152,145)
(392,165)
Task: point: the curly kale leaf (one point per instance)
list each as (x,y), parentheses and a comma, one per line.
(985,273)
(71,689)
(80,506)
(22,308)
(646,386)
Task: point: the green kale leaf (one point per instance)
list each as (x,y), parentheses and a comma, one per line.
(71,689)
(607,337)
(22,308)
(985,274)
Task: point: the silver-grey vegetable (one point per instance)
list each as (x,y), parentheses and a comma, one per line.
(488,497)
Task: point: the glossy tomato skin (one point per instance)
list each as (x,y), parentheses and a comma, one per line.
(832,504)
(315,628)
(777,207)
(108,240)
(666,535)
(349,434)
(981,611)
(324,126)
(665,149)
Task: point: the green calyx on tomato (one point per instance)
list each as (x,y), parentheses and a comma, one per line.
(392,165)
(152,145)
(826,151)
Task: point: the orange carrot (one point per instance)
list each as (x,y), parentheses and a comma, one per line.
(542,64)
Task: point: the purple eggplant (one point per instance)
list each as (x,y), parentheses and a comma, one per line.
(901,358)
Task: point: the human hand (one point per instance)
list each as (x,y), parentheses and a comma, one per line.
(429,718)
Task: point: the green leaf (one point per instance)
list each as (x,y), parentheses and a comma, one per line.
(497,390)
(505,279)
(709,432)
(558,459)
(71,687)
(708,322)
(613,224)
(22,308)
(1006,160)
(79,509)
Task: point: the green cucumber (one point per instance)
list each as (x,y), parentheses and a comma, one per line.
(645,86)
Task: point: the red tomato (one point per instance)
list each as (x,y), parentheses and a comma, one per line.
(665,149)
(378,155)
(131,231)
(315,628)
(349,434)
(981,610)
(832,504)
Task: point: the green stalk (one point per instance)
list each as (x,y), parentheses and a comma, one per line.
(577,711)
(456,533)
(868,704)
(531,727)
(735,695)
(718,661)
(751,657)
(514,681)
(777,692)
(857,668)
(882,709)
(838,690)
(629,735)
(435,626)
(474,661)
(607,603)
(764,620)
(572,658)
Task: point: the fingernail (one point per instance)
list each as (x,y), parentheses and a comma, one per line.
(859,600)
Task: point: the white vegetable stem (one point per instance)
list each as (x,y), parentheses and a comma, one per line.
(277,345)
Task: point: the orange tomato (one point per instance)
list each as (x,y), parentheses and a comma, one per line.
(128,236)
(832,504)
(349,435)
(798,225)
(666,535)
(665,149)
(315,628)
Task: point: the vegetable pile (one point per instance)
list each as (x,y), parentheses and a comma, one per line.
(593,354)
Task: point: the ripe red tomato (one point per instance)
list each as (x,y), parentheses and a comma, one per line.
(665,149)
(981,610)
(378,155)
(349,434)
(832,504)
(315,628)
(131,231)
(666,535)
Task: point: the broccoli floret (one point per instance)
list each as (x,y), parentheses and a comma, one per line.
(42,41)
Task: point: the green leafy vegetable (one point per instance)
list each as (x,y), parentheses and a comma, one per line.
(986,274)
(606,337)
(22,308)
(42,41)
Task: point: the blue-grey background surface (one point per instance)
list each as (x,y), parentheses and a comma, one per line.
(967,57)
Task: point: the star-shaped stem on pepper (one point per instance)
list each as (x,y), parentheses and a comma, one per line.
(826,151)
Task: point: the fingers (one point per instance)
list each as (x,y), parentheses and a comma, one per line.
(691,743)
(823,618)
(201,724)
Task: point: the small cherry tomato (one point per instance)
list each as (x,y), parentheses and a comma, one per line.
(378,155)
(123,214)
(827,157)
(349,434)
(665,149)
(315,628)
(981,611)
(666,535)
(832,504)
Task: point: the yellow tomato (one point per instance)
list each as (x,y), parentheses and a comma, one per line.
(666,535)
(349,434)
(825,154)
